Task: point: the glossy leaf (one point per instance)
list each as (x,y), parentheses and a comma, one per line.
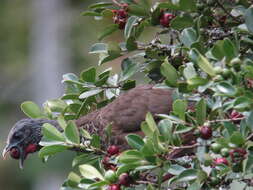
(179,108)
(90,172)
(90,93)
(202,62)
(31,109)
(135,141)
(51,150)
(169,72)
(89,75)
(201,111)
(71,133)
(131,21)
(51,133)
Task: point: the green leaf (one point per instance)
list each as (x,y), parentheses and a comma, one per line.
(230,49)
(62,121)
(51,150)
(151,122)
(129,68)
(166,129)
(242,103)
(224,48)
(188,5)
(95,141)
(189,71)
(201,112)
(71,133)
(131,44)
(226,88)
(202,62)
(197,81)
(231,128)
(249,19)
(181,22)
(188,37)
(248,164)
(90,93)
(179,108)
(249,120)
(83,159)
(131,21)
(108,30)
(169,72)
(137,10)
(99,48)
(31,109)
(56,105)
(73,179)
(237,138)
(130,156)
(135,141)
(90,172)
(89,75)
(51,133)
(125,168)
(175,169)
(187,175)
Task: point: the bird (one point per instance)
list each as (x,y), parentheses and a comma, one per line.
(125,114)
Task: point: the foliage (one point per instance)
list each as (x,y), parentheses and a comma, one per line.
(204,52)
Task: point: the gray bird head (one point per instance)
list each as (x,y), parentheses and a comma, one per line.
(24,138)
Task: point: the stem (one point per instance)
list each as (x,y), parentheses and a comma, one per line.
(184,147)
(225,120)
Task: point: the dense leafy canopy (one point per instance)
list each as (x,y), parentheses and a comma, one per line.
(203,49)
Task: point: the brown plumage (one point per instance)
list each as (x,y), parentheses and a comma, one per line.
(127,112)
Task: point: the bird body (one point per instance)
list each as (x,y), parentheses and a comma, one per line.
(125,114)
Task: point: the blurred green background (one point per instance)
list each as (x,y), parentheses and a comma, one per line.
(40,41)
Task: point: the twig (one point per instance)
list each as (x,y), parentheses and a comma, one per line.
(185,147)
(225,120)
(228,13)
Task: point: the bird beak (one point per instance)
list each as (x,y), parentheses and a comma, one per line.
(5,151)
(21,161)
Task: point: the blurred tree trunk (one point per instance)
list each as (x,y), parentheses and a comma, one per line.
(49,52)
(49,60)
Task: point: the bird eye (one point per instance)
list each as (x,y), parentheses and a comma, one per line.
(17,136)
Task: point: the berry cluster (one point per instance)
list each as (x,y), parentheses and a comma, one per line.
(124,179)
(120,16)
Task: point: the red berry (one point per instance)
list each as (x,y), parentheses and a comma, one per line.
(221,161)
(114,187)
(206,132)
(237,154)
(165,19)
(122,13)
(31,148)
(124,179)
(14,152)
(112,150)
